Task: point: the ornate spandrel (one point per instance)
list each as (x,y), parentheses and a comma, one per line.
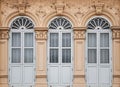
(115,32)
(79,33)
(41,33)
(4,33)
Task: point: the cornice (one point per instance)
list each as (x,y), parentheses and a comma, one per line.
(115,27)
(41,28)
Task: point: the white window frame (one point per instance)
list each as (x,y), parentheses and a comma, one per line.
(98,32)
(22,63)
(60,32)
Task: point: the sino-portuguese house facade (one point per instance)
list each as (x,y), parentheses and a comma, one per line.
(59,43)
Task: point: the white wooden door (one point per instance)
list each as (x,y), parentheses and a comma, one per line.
(60,69)
(98,62)
(22,55)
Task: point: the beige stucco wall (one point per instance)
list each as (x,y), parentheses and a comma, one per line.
(41,11)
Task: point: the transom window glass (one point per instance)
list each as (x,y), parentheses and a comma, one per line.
(97,22)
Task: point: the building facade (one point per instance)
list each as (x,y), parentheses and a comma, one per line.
(59,43)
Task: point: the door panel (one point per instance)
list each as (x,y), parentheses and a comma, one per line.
(98,62)
(66,74)
(104,75)
(53,74)
(22,59)
(60,58)
(92,75)
(28,75)
(16,75)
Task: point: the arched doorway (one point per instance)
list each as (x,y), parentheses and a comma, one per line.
(98,53)
(60,53)
(22,53)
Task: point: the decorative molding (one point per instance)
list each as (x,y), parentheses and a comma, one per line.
(3,76)
(79,33)
(115,32)
(41,76)
(59,6)
(41,33)
(40,12)
(79,76)
(4,32)
(99,8)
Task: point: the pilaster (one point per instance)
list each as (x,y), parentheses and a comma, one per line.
(41,52)
(116,55)
(79,57)
(4,35)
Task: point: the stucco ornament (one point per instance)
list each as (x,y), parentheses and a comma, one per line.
(4,33)
(59,6)
(99,8)
(116,32)
(41,33)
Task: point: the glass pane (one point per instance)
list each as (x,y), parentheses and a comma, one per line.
(28,55)
(104,39)
(53,55)
(66,56)
(54,39)
(104,56)
(92,58)
(28,40)
(66,39)
(16,39)
(16,55)
(92,40)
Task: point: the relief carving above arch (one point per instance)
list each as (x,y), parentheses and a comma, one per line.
(43,8)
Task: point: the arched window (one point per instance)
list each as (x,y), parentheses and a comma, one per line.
(60,52)
(22,52)
(98,53)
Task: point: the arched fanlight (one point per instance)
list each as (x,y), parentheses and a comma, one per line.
(60,23)
(97,23)
(22,23)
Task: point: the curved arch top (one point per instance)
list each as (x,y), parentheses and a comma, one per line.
(97,23)
(65,14)
(22,22)
(60,22)
(14,15)
(108,16)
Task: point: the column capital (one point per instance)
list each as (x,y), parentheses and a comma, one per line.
(41,33)
(4,32)
(115,32)
(79,33)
